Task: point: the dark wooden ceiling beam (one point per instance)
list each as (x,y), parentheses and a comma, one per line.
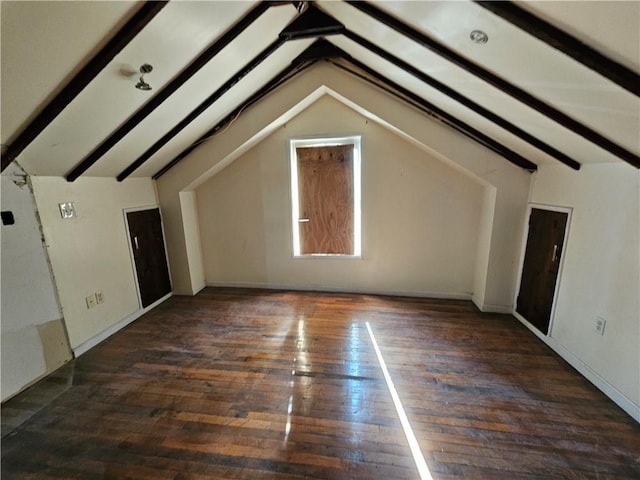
(567,44)
(286,74)
(168,90)
(352,71)
(467,102)
(321,49)
(498,82)
(444,117)
(120,40)
(210,100)
(311,22)
(324,50)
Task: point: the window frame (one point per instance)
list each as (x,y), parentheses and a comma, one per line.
(356,141)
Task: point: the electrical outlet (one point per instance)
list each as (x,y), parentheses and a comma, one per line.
(99,297)
(601,323)
(91,301)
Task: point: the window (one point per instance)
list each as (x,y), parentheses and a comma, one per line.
(325,196)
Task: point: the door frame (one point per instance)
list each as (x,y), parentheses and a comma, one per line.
(523,247)
(134,270)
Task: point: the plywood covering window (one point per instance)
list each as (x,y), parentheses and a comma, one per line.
(325,193)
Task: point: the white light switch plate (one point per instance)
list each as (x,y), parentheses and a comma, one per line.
(67,210)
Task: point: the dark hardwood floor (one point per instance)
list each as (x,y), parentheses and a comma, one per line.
(251,384)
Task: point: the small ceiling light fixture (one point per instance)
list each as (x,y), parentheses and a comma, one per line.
(479,37)
(142,85)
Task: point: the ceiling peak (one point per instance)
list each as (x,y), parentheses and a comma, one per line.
(312,23)
(321,49)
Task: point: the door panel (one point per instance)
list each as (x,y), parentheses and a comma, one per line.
(545,242)
(147,242)
(325,193)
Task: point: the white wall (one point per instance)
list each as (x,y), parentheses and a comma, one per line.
(601,272)
(484,245)
(420,216)
(511,183)
(34,341)
(90,252)
(189,213)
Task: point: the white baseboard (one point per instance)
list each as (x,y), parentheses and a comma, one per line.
(93,341)
(491,308)
(363,291)
(585,370)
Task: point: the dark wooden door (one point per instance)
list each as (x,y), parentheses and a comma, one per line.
(325,193)
(147,242)
(545,242)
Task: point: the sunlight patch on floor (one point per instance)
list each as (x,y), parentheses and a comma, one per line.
(421,464)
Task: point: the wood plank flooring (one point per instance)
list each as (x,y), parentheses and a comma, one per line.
(252,384)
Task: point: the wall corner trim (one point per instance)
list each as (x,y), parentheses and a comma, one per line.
(199,288)
(95,340)
(484,308)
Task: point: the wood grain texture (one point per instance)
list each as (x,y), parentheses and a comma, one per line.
(325,192)
(251,384)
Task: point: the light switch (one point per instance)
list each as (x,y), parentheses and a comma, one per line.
(67,210)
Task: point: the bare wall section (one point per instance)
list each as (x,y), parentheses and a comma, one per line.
(90,252)
(420,216)
(601,273)
(500,223)
(34,341)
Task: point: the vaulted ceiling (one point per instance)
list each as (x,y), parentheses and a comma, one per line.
(556,82)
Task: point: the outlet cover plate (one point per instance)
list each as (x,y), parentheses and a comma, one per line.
(91,301)
(601,323)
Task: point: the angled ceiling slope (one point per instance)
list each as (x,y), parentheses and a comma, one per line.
(167,91)
(137,22)
(495,80)
(321,80)
(583,53)
(307,25)
(553,113)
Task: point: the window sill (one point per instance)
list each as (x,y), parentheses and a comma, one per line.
(327,255)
